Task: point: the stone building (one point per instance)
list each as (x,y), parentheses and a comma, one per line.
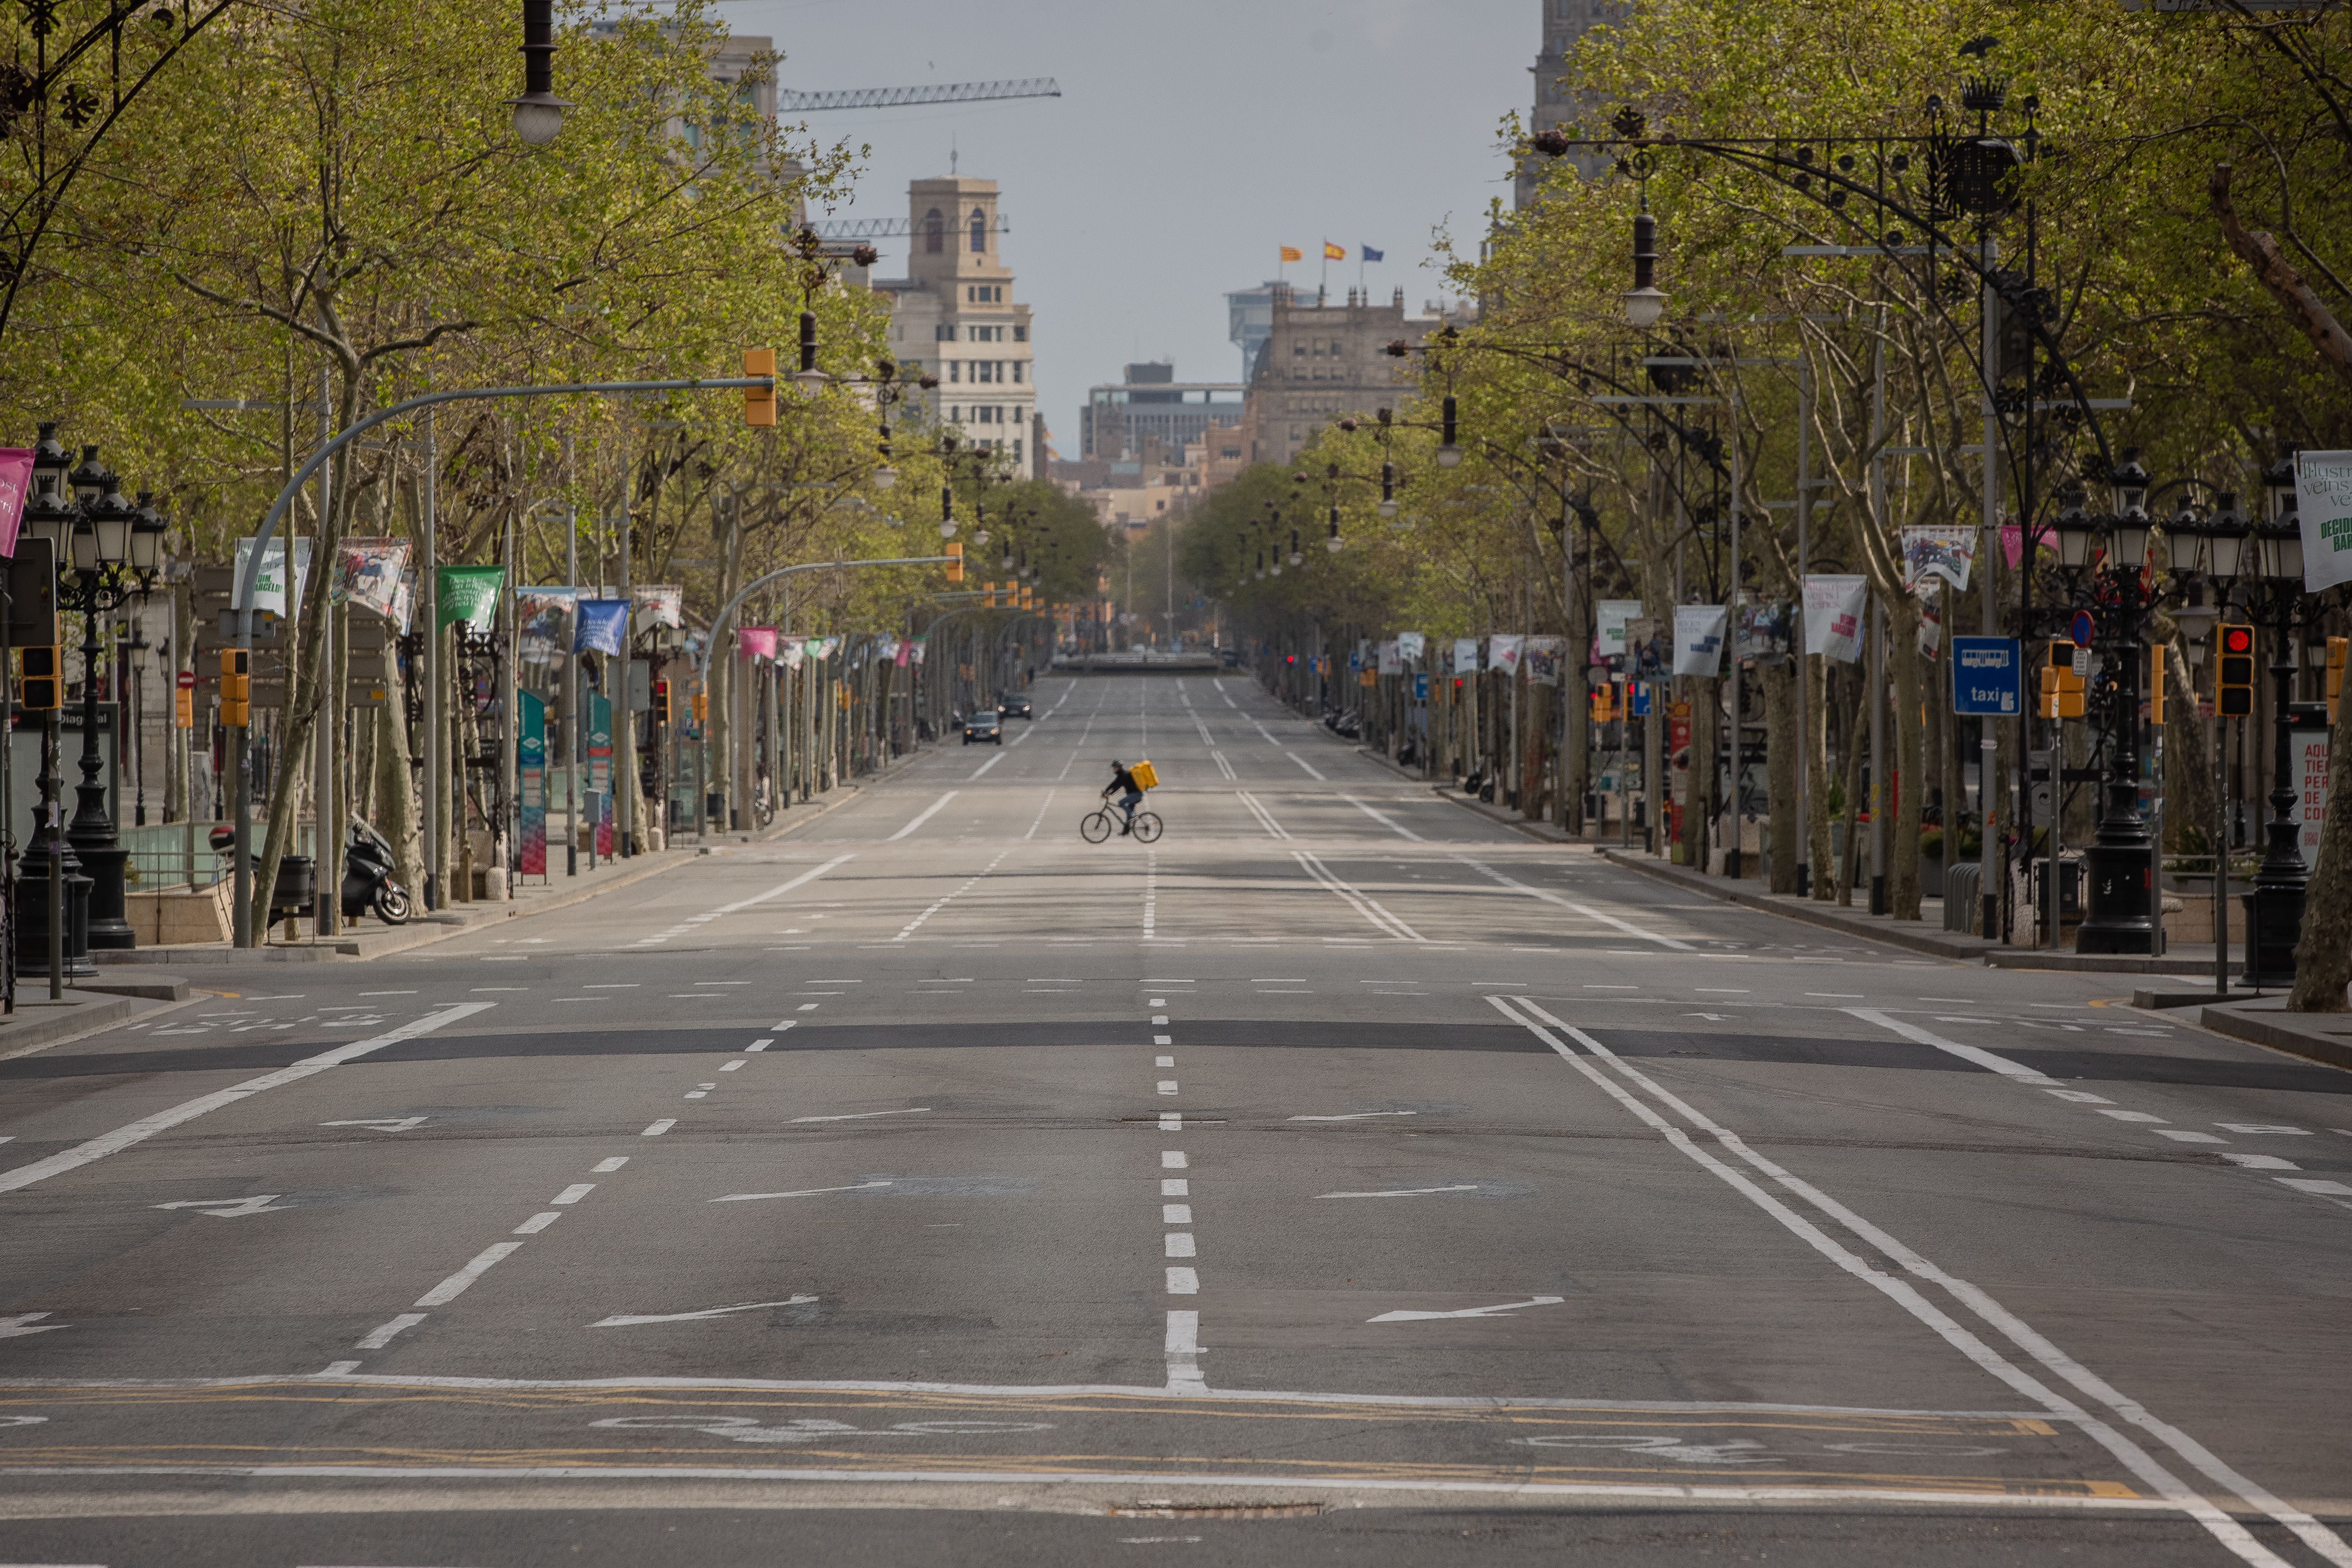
(953,316)
(1150,403)
(1324,362)
(1565,23)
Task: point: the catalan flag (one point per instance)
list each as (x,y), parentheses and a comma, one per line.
(1334,252)
(1292,253)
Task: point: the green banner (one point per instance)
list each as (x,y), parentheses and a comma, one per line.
(467,594)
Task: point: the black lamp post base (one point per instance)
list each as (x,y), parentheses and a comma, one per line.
(2274,927)
(32,923)
(2116,917)
(109,931)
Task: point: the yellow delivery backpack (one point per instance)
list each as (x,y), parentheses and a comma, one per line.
(1146,775)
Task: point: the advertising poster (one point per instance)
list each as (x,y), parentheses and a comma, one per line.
(467,594)
(789,651)
(543,619)
(2311,789)
(1543,658)
(1931,553)
(368,573)
(1503,652)
(1698,638)
(530,758)
(2323,504)
(1465,655)
(661,605)
(1411,645)
(269,588)
(1391,662)
(600,625)
(600,763)
(1834,606)
(1762,634)
(1609,616)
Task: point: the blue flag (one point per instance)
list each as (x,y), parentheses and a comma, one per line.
(1371,254)
(600,627)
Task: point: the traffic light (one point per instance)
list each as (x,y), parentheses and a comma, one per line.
(43,687)
(702,706)
(2335,646)
(760,402)
(1604,704)
(183,709)
(2062,689)
(663,713)
(2233,671)
(236,686)
(2156,683)
(955,562)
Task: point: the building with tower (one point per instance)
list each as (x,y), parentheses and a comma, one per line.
(953,316)
(1321,363)
(1565,23)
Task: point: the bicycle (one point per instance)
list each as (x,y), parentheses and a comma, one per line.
(1098,824)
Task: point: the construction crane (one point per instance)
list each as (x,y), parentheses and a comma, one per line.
(791,100)
(885,227)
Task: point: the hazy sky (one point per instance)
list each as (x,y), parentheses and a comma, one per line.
(1191,139)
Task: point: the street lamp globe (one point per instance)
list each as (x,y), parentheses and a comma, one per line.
(1644,302)
(2278,489)
(2184,540)
(111,520)
(147,529)
(2226,533)
(2129,483)
(2282,550)
(884,477)
(2076,529)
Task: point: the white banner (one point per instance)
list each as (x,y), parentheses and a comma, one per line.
(1465,655)
(1390,664)
(1834,606)
(1543,658)
(2322,503)
(1503,652)
(269,585)
(1609,616)
(1411,645)
(1698,638)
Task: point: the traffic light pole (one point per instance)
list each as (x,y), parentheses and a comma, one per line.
(248,578)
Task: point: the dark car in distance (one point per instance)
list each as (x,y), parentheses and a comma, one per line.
(1014,705)
(982,726)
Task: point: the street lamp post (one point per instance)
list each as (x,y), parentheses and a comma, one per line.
(52,914)
(2274,908)
(2120,891)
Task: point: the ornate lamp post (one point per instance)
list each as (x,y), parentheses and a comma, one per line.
(2274,908)
(52,895)
(2117,867)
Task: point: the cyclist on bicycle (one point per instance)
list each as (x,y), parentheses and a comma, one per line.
(1122,780)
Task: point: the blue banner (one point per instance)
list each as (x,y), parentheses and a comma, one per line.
(600,625)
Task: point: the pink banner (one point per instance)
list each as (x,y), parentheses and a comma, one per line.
(2012,542)
(15,480)
(756,642)
(906,653)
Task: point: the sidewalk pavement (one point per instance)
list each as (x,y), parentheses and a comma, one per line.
(2264,1021)
(368,938)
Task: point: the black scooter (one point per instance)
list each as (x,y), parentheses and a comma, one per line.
(367,878)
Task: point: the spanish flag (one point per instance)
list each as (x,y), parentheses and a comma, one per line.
(1292,253)
(1334,252)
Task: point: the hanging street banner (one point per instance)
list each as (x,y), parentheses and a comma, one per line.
(543,619)
(1987,676)
(789,651)
(756,642)
(269,588)
(662,604)
(600,625)
(1543,657)
(1411,645)
(1465,655)
(530,758)
(907,649)
(1609,616)
(1391,663)
(467,594)
(600,755)
(1503,652)
(368,573)
(1761,633)
(1698,638)
(1930,551)
(15,483)
(1834,606)
(2323,504)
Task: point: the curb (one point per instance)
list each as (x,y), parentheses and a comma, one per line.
(36,1024)
(1934,945)
(2257,1028)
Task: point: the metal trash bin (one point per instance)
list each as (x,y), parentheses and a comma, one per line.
(295,894)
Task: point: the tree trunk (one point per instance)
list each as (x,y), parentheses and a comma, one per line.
(1817,769)
(1909,784)
(1857,745)
(1780,744)
(2190,806)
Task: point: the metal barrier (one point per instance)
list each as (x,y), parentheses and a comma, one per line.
(180,854)
(1962,899)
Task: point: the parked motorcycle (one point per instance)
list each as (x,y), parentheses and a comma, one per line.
(367,878)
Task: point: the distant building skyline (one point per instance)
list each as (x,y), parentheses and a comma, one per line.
(953,316)
(1148,403)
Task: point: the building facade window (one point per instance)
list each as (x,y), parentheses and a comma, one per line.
(979,231)
(934,233)
(1021,334)
(1020,370)
(955,370)
(943,332)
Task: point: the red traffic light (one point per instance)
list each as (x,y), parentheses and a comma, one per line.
(2237,639)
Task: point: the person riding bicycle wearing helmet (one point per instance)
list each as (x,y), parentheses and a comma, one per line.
(1122,780)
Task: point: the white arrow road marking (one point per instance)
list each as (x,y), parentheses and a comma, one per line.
(1711,1017)
(1355,1116)
(386,1124)
(865,1115)
(805,1192)
(1407,1316)
(23,1323)
(628,1321)
(1407,1193)
(146,1127)
(229,1208)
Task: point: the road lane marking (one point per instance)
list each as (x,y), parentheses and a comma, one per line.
(1496,1311)
(382,1124)
(27,1323)
(1385,820)
(865,1115)
(975,774)
(2027,1338)
(1175,1214)
(1407,1193)
(1983,1058)
(1039,819)
(1178,1244)
(605,1167)
(536,1223)
(1354,1116)
(1150,891)
(630,1320)
(730,1067)
(382,1334)
(1362,903)
(1181,1347)
(803,1193)
(1587,910)
(572,1193)
(658,1127)
(1174,1160)
(460,1282)
(921,817)
(1264,817)
(146,1127)
(1184,1282)
(942,903)
(231,1208)
(1302,761)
